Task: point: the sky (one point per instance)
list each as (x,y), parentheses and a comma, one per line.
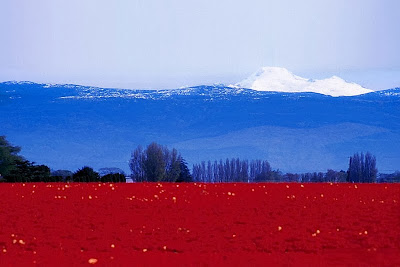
(142,44)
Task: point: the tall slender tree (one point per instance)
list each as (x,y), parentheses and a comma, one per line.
(362,168)
(136,164)
(173,166)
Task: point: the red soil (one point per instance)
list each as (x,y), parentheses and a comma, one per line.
(199,224)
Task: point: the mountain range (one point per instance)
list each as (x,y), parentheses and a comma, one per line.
(69,126)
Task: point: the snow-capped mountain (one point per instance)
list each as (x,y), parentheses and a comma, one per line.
(281,80)
(69,126)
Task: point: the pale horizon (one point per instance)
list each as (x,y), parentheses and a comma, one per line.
(376,80)
(163,45)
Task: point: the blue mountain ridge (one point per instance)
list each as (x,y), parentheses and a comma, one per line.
(69,126)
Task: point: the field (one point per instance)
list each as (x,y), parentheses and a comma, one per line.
(199,224)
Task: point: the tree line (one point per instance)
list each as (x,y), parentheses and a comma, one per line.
(362,169)
(15,168)
(157,163)
(233,170)
(236,170)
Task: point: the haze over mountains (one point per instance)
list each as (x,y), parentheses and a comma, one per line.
(69,126)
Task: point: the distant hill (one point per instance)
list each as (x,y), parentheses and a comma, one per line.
(68,126)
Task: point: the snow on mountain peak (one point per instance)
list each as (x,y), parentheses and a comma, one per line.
(281,80)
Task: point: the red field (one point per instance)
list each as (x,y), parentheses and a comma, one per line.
(199,224)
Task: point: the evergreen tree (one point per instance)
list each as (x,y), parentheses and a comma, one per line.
(86,174)
(40,173)
(9,157)
(25,171)
(21,172)
(184,175)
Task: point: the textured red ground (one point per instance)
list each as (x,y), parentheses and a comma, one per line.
(199,224)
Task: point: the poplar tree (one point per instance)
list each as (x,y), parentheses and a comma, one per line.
(362,168)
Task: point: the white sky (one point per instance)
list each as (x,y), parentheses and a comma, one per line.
(172,43)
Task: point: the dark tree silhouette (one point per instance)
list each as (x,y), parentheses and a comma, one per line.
(86,174)
(113,178)
(110,170)
(362,168)
(184,175)
(9,158)
(154,163)
(136,164)
(62,175)
(232,170)
(157,164)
